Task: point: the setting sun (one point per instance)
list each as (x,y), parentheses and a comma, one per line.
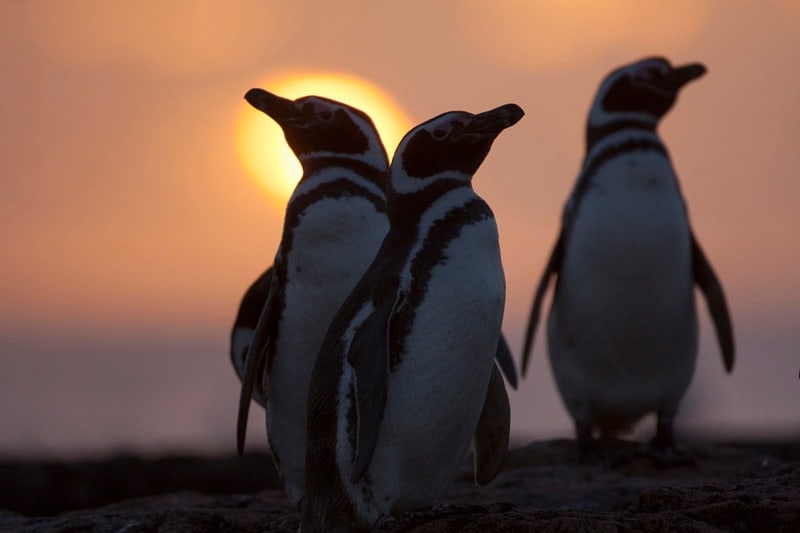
(260,143)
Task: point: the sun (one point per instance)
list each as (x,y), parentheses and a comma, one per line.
(260,143)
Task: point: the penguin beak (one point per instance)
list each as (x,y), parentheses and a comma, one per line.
(680,76)
(279,109)
(491,123)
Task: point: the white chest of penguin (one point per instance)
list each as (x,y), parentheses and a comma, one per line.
(333,235)
(464,298)
(446,361)
(631,226)
(333,246)
(334,242)
(626,287)
(627,274)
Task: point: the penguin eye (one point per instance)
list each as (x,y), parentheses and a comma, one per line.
(640,76)
(440,133)
(325,114)
(646,75)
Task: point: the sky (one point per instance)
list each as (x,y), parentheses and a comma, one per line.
(130,225)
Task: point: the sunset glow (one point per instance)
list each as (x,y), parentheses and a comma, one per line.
(543,34)
(102,33)
(260,143)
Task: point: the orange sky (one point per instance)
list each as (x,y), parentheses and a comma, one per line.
(130,229)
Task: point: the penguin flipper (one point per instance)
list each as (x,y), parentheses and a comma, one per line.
(553,267)
(505,361)
(250,309)
(491,436)
(708,282)
(369,357)
(255,365)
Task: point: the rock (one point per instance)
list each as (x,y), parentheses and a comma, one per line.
(49,488)
(731,487)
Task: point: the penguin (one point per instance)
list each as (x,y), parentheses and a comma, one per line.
(622,328)
(335,221)
(406,372)
(334,224)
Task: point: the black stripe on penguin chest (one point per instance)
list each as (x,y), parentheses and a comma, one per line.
(430,255)
(364,170)
(594,134)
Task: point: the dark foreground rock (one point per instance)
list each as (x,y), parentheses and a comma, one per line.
(731,487)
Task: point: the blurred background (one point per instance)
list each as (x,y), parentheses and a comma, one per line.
(138,199)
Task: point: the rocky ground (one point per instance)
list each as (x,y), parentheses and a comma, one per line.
(731,487)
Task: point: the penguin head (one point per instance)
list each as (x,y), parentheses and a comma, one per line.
(319,127)
(644,90)
(451,145)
